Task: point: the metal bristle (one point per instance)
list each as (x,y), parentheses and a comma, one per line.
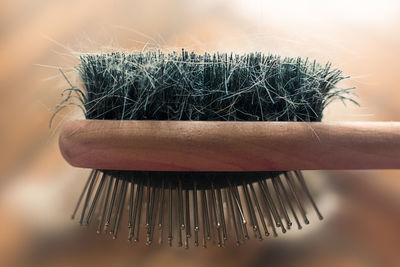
(181,211)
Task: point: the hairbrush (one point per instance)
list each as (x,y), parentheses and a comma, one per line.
(210,146)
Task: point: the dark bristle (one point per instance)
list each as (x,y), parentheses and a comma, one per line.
(218,206)
(250,87)
(186,179)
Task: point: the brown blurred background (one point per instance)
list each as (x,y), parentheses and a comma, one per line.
(38,189)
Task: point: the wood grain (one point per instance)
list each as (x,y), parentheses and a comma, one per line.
(230,146)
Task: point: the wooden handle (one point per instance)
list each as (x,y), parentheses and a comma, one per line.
(230,146)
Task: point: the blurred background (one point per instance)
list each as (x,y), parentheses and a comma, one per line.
(38,189)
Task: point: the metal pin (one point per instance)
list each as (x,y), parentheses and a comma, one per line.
(179,225)
(151,208)
(82,194)
(249,204)
(233,216)
(117,203)
(281,204)
(204,227)
(186,242)
(213,206)
(110,208)
(274,211)
(131,204)
(240,208)
(161,214)
(96,197)
(99,207)
(253,219)
(271,204)
(236,196)
(170,214)
(187,217)
(215,215)
(187,214)
(303,184)
(195,215)
(120,209)
(208,214)
(180,206)
(147,203)
(237,201)
(139,212)
(206,224)
(267,209)
(221,211)
(294,193)
(242,235)
(161,207)
(260,214)
(103,213)
(220,242)
(88,194)
(288,201)
(153,216)
(139,189)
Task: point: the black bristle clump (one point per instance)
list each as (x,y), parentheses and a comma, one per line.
(203,179)
(209,87)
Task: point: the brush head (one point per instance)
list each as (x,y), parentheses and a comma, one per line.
(208,87)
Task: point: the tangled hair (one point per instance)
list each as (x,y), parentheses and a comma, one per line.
(210,87)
